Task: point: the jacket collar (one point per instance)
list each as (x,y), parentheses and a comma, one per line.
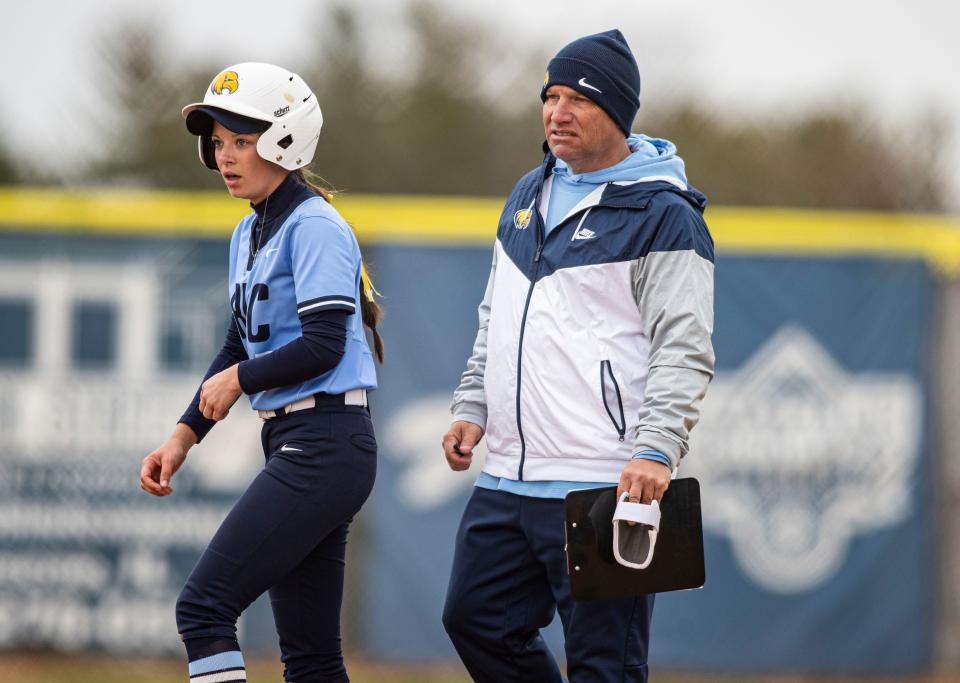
(635,195)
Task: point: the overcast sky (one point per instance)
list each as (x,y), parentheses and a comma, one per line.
(742,57)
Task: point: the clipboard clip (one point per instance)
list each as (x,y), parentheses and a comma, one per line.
(633,546)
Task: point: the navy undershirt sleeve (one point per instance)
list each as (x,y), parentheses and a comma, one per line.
(318,351)
(231,353)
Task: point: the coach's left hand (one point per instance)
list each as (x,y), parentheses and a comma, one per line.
(646,480)
(219,393)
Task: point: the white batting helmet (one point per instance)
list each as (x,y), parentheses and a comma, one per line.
(259,98)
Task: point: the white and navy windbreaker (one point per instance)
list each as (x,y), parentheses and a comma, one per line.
(594,343)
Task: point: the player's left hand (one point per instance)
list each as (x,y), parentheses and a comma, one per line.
(646,480)
(219,393)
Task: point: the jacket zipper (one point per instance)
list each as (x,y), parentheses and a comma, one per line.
(541,240)
(523,326)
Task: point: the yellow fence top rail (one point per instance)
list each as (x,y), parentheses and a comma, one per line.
(395,219)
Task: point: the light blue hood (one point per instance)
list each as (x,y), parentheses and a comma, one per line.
(651,157)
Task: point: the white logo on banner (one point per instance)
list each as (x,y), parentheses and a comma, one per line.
(796,457)
(413,435)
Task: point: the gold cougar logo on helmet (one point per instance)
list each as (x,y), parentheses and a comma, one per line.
(228,81)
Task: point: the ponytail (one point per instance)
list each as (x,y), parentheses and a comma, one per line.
(370,310)
(315,183)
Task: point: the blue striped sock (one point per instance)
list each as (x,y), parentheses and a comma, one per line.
(226,667)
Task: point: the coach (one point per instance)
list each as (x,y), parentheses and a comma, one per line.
(591,358)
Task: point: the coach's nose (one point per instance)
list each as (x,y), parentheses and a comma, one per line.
(562,112)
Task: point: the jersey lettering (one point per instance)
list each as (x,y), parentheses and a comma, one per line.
(239,310)
(243,311)
(260,292)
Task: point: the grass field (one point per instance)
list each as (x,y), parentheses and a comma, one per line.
(50,668)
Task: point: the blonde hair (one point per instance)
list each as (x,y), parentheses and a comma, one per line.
(370,311)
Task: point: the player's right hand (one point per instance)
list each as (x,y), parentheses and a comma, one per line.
(160,466)
(458,444)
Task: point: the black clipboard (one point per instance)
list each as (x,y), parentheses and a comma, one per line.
(678,555)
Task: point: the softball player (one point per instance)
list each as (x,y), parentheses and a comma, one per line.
(297,347)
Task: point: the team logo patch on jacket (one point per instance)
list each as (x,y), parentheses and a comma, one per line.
(521,219)
(228,81)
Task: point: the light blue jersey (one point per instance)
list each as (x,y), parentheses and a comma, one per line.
(310,263)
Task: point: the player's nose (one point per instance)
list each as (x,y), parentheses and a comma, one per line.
(225,157)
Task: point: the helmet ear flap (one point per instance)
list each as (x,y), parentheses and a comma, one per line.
(205,146)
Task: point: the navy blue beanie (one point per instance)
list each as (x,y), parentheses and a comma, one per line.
(603,68)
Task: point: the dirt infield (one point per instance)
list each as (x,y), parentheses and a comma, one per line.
(55,668)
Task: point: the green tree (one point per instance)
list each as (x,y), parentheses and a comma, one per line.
(146,143)
(828,159)
(460,138)
(441,129)
(459,114)
(8,171)
(437,129)
(12,170)
(353,100)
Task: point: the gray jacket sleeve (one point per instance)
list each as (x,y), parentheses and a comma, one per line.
(469,399)
(674,294)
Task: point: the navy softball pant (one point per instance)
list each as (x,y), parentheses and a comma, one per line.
(510,576)
(287,535)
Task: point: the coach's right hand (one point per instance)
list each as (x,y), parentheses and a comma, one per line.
(458,444)
(160,466)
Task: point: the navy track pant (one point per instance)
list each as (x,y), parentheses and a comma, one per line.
(288,534)
(510,576)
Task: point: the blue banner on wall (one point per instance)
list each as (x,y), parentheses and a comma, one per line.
(811,454)
(431,297)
